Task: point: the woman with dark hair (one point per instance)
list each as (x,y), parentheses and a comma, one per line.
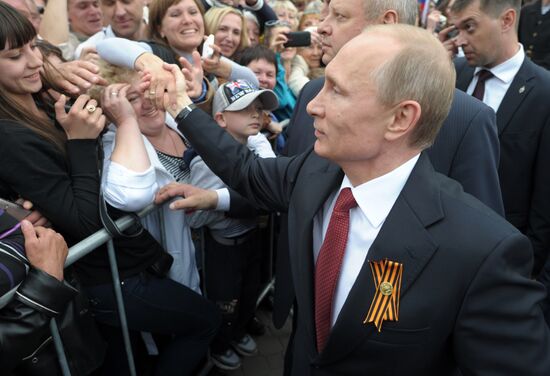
(50,157)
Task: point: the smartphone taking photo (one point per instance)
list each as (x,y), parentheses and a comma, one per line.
(298,39)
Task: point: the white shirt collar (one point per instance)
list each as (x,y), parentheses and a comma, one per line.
(507,70)
(376,197)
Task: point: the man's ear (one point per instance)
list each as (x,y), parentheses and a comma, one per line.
(389,17)
(405,120)
(220,119)
(508,20)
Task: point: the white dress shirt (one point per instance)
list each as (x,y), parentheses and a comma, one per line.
(496,87)
(375,199)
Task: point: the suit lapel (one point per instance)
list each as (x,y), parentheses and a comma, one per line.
(464,75)
(309,199)
(417,207)
(517,92)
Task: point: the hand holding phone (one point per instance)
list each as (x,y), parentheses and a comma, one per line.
(298,39)
(15,210)
(207,50)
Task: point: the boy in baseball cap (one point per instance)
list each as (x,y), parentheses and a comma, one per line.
(231,245)
(238,106)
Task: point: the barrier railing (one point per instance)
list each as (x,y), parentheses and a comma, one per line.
(86,246)
(80,250)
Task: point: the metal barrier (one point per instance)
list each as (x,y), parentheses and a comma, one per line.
(80,250)
(101,237)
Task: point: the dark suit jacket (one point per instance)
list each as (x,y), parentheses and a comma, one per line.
(523,121)
(467,300)
(466,149)
(534,33)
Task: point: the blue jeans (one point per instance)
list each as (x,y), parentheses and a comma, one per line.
(162,306)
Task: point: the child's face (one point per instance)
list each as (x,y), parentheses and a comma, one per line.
(266,73)
(244,123)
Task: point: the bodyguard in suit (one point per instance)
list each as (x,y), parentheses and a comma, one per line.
(397,271)
(466,149)
(534,31)
(496,70)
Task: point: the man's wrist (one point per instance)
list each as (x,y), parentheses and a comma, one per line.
(184,112)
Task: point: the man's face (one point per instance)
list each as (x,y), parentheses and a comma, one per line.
(85,16)
(479,35)
(124,16)
(350,123)
(345,20)
(24,7)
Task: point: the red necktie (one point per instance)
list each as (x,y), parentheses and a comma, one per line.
(329,262)
(479,91)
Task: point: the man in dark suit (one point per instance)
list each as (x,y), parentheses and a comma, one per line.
(397,271)
(466,149)
(534,31)
(496,70)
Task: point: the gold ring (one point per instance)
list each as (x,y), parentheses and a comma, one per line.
(91,108)
(152,93)
(114,93)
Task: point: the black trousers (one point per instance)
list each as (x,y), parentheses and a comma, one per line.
(162,306)
(232,281)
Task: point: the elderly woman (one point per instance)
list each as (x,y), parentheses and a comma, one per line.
(141,153)
(229,28)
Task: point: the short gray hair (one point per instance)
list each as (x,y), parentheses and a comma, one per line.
(407,10)
(420,71)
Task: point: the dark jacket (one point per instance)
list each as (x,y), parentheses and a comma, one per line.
(523,122)
(534,33)
(467,300)
(29,301)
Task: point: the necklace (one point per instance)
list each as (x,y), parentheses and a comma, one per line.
(165,150)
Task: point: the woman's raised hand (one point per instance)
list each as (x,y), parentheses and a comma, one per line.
(116,106)
(193,74)
(85,120)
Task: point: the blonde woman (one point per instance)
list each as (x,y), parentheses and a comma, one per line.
(229,28)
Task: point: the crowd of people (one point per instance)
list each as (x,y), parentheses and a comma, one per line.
(402,154)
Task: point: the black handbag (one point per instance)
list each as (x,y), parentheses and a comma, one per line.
(83,345)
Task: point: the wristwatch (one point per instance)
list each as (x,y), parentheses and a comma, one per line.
(185,112)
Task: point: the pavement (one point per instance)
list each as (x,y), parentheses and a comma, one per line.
(271,351)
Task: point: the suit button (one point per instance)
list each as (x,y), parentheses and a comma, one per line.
(535,35)
(539,22)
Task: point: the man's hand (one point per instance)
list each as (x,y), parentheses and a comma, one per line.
(182,99)
(194,198)
(76,77)
(45,249)
(448,42)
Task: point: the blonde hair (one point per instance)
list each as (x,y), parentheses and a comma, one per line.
(421,71)
(288,6)
(214,16)
(113,74)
